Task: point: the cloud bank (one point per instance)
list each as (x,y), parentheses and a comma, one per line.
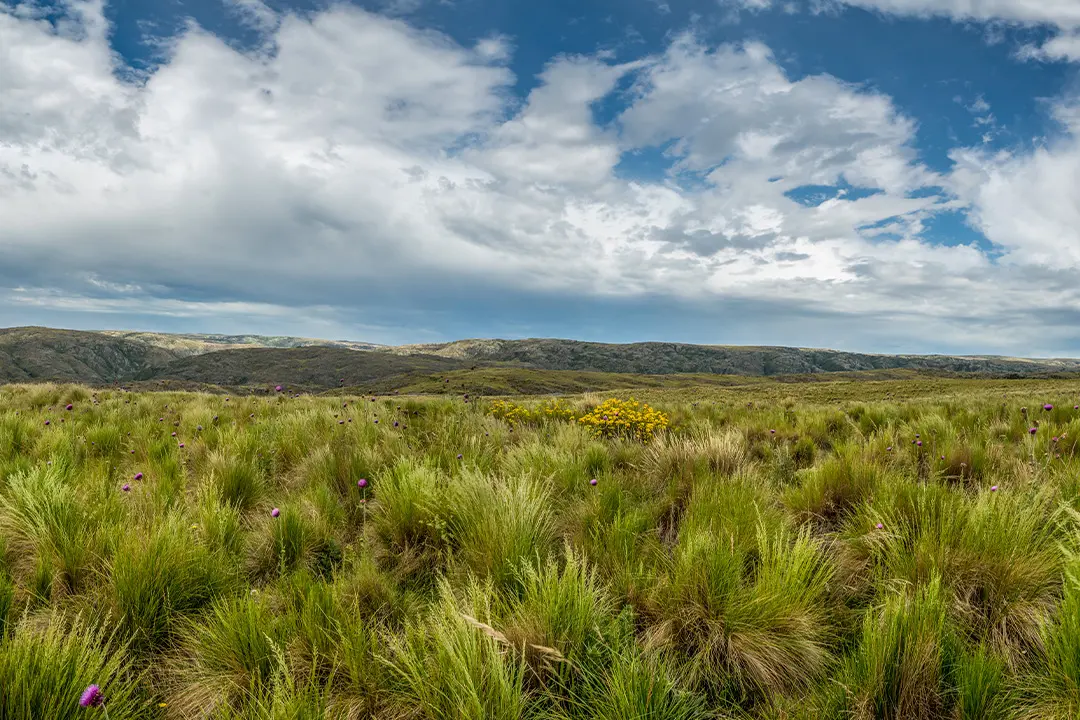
(359,176)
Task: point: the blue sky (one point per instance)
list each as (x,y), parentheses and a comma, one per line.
(875,175)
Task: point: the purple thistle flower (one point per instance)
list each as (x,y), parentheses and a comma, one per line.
(395,423)
(174,433)
(340,422)
(126,487)
(361,483)
(48,422)
(91,697)
(198,428)
(592,482)
(1048,406)
(181,444)
(772,432)
(888,449)
(275,512)
(278,388)
(993,488)
(1033,430)
(138,475)
(879,526)
(68,406)
(459,456)
(919,443)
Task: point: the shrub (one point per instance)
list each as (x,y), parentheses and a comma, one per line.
(625,418)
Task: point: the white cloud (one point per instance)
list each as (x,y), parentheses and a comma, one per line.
(1028,203)
(362,158)
(1065,46)
(1061,13)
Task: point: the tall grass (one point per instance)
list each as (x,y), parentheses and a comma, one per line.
(778,552)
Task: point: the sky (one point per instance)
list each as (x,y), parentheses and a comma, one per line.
(867,175)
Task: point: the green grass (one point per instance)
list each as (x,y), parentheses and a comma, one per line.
(731,568)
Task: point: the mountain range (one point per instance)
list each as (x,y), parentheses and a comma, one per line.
(36,354)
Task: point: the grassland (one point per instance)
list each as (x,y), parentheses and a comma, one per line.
(895,549)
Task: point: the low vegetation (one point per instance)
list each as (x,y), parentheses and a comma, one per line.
(904,550)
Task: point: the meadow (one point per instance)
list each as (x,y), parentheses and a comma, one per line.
(904,549)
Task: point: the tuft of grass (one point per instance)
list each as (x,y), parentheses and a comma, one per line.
(445,668)
(897,671)
(44,521)
(227,658)
(157,578)
(495,525)
(44,670)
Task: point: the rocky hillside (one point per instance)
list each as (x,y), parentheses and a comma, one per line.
(34,353)
(669,358)
(187,344)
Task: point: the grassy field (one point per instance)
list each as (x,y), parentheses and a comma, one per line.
(887,549)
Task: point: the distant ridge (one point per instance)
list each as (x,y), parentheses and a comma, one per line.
(31,354)
(659,358)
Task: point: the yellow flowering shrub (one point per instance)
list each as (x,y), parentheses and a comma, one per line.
(625,418)
(519,414)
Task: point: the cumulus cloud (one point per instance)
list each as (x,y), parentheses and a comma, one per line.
(356,170)
(1063,47)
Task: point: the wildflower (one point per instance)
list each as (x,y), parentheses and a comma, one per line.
(395,423)
(459,456)
(174,433)
(68,406)
(181,444)
(198,428)
(592,482)
(879,526)
(1033,430)
(91,697)
(138,476)
(126,487)
(275,512)
(993,488)
(340,422)
(772,432)
(942,457)
(278,388)
(1048,406)
(47,422)
(361,483)
(919,443)
(888,449)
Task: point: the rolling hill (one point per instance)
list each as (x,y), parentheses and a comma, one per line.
(29,354)
(486,366)
(654,358)
(304,367)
